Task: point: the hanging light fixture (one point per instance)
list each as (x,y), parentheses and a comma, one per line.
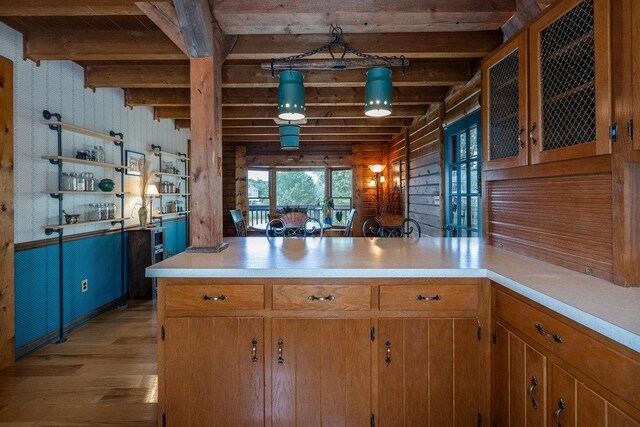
(289,137)
(291,95)
(378,92)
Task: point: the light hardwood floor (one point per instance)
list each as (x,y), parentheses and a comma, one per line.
(104,375)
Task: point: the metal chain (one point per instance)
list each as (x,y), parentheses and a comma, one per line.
(336,33)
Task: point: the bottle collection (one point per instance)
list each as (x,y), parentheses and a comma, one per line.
(95,154)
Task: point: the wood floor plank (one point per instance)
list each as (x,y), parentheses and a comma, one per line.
(104,375)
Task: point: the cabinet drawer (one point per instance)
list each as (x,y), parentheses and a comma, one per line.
(608,367)
(321,297)
(429,297)
(214,297)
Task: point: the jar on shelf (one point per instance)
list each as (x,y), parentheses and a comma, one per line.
(112,210)
(68,182)
(92,212)
(89,183)
(104,212)
(172,188)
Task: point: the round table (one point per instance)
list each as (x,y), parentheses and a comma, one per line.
(262,227)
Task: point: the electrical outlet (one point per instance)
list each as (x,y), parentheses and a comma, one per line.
(84,285)
(436,200)
(169,253)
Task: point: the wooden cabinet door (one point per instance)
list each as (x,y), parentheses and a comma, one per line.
(635,52)
(505,107)
(321,372)
(519,382)
(214,371)
(570,81)
(428,372)
(573,404)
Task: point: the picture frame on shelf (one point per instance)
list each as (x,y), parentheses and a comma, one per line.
(134,161)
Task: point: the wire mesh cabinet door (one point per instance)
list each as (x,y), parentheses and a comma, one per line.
(505,107)
(570,74)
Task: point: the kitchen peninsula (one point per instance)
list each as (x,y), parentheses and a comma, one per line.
(279,331)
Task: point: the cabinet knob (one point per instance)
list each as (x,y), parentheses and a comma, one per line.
(254,350)
(315,298)
(221,297)
(532,390)
(558,413)
(555,337)
(533,140)
(387,361)
(280,345)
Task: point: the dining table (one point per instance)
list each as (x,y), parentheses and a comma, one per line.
(262,227)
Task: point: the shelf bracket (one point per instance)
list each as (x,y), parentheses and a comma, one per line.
(156,147)
(56,196)
(55,161)
(49,115)
(117,222)
(50,231)
(120,170)
(119,195)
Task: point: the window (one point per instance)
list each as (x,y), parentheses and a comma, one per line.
(303,190)
(464,163)
(259,195)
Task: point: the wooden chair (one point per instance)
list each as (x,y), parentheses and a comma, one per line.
(293,219)
(310,228)
(349,227)
(238,222)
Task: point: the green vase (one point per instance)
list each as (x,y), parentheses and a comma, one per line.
(142,216)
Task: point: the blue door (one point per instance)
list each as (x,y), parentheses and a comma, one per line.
(463,162)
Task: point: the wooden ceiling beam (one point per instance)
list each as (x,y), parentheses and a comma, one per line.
(474,44)
(419,73)
(268,97)
(68,7)
(163,14)
(305,130)
(267,113)
(312,16)
(324,122)
(310,138)
(100,46)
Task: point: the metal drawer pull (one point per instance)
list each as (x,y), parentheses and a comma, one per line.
(280,344)
(254,350)
(561,407)
(557,338)
(436,297)
(532,389)
(315,298)
(222,297)
(520,141)
(387,361)
(531,138)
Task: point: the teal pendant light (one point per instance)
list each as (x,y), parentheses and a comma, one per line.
(289,137)
(291,95)
(378,92)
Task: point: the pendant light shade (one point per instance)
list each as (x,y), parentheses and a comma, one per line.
(289,137)
(378,92)
(291,96)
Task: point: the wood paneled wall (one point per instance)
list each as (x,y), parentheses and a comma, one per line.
(357,156)
(7,306)
(564,220)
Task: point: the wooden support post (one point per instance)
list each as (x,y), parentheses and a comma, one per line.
(206,154)
(358,188)
(7,316)
(242,201)
(407,174)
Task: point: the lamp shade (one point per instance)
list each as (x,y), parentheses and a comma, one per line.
(377,168)
(378,92)
(151,190)
(291,96)
(289,137)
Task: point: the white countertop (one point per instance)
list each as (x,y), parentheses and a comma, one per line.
(604,307)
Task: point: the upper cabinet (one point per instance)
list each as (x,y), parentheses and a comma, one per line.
(506,106)
(566,71)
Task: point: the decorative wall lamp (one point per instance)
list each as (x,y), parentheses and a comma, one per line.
(378,178)
(378,87)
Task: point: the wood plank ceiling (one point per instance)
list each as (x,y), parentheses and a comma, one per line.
(119,46)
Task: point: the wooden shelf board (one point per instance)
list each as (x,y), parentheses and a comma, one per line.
(172,194)
(169,214)
(84,131)
(164,153)
(111,193)
(85,162)
(171,174)
(84,223)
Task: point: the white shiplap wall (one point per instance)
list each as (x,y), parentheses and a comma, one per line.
(58,86)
